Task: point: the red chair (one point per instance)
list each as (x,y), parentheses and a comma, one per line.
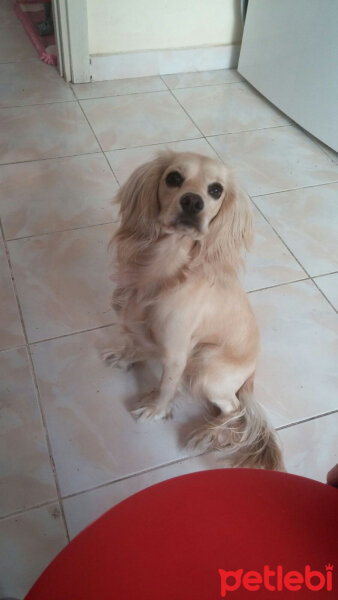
(209,535)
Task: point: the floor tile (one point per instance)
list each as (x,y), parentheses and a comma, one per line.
(118,87)
(28,543)
(45,131)
(307,221)
(31,82)
(123,162)
(138,119)
(83,509)
(269,262)
(273,160)
(63,281)
(11,333)
(228,108)
(329,285)
(94,437)
(199,78)
(26,477)
(60,193)
(15,44)
(310,448)
(297,374)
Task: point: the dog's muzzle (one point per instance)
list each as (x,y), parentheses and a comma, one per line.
(192,205)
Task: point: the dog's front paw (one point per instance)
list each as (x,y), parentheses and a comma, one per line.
(115,360)
(151,408)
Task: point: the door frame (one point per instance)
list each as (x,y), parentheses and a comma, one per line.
(71,36)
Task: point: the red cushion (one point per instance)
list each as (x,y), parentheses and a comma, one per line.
(170,540)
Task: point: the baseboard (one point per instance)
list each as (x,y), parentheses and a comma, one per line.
(163,62)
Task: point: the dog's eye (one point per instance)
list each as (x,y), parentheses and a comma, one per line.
(215,190)
(174,179)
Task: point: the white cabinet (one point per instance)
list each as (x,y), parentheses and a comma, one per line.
(289,53)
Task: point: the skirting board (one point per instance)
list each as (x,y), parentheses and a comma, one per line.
(163,62)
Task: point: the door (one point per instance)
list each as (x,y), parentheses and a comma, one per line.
(289,53)
(71,34)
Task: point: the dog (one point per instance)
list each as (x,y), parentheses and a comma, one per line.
(184,222)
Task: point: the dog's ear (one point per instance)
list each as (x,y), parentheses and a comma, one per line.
(139,202)
(232,228)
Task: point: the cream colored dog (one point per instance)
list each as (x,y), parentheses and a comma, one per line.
(184,223)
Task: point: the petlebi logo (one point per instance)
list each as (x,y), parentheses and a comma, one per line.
(275,579)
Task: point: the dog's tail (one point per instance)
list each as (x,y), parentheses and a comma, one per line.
(245,437)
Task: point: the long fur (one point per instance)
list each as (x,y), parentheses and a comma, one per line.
(158,274)
(245,436)
(230,231)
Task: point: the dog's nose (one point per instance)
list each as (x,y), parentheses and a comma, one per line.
(191,203)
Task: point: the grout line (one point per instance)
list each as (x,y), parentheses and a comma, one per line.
(271,287)
(182,107)
(294,256)
(36,235)
(142,472)
(70,85)
(200,85)
(156,143)
(167,88)
(324,274)
(98,141)
(303,187)
(217,154)
(47,103)
(163,91)
(38,397)
(215,135)
(12,347)
(116,95)
(30,160)
(307,419)
(65,335)
(189,139)
(38,103)
(324,296)
(28,508)
(119,183)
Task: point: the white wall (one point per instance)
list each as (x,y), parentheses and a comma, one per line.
(133,25)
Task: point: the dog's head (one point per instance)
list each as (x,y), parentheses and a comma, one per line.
(189,195)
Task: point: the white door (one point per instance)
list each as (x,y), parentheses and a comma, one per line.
(71,34)
(289,53)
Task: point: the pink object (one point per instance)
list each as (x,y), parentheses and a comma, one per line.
(28,20)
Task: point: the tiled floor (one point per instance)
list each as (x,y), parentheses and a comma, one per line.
(69,448)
